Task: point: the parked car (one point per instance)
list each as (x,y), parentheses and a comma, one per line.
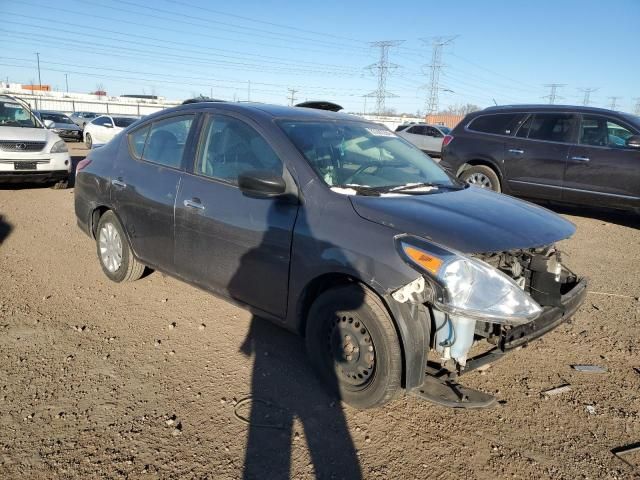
(82,118)
(103,128)
(28,151)
(427,138)
(579,155)
(337,229)
(62,124)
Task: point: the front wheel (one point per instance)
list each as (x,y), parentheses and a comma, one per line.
(482,176)
(88,141)
(353,346)
(114,252)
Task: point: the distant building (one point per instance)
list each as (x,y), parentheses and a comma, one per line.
(37,88)
(144,97)
(99,93)
(444,119)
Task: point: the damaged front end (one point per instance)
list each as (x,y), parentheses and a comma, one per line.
(501,299)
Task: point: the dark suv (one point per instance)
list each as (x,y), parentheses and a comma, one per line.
(335,228)
(580,155)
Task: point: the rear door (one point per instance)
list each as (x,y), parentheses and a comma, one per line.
(433,140)
(226,241)
(415,135)
(536,157)
(145,183)
(602,169)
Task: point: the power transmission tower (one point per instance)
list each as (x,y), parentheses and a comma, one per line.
(292,98)
(438,44)
(614,100)
(381,69)
(636,109)
(587,95)
(553,95)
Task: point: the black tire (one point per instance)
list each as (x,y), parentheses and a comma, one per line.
(88,141)
(130,269)
(472,174)
(353,308)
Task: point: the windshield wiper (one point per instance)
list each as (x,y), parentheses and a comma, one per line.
(360,190)
(417,188)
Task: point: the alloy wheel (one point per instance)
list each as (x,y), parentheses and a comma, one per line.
(110,244)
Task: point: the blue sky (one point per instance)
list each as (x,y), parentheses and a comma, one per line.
(504,51)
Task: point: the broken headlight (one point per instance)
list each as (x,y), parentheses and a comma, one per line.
(469,287)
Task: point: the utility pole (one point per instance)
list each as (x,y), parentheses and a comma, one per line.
(39,79)
(437,45)
(636,109)
(587,95)
(614,100)
(292,98)
(553,95)
(66,81)
(381,69)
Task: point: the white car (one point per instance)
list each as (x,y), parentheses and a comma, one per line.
(29,152)
(427,138)
(103,128)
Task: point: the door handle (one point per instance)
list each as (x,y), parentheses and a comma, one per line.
(580,159)
(193,203)
(516,151)
(118,183)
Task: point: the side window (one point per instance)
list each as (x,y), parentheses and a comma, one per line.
(416,129)
(498,124)
(603,132)
(230,147)
(137,140)
(553,127)
(433,132)
(167,139)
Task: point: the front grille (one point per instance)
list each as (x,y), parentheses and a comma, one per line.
(17,146)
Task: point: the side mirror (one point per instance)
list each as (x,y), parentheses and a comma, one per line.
(258,183)
(49,124)
(633,141)
(108,125)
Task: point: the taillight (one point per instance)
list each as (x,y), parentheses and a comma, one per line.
(447,140)
(82,164)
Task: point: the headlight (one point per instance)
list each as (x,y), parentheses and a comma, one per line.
(469,287)
(59,147)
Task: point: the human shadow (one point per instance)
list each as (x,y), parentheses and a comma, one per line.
(5,229)
(283,390)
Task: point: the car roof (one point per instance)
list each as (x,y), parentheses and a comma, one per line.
(548,108)
(262,110)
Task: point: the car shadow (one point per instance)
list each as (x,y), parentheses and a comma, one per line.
(619,217)
(288,406)
(5,229)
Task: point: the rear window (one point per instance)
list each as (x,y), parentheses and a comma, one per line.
(498,123)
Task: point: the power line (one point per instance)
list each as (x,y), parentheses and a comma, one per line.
(614,100)
(587,95)
(553,95)
(437,44)
(382,68)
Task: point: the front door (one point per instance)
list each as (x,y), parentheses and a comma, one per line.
(536,156)
(602,169)
(226,241)
(145,183)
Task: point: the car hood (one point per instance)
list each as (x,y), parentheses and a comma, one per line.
(24,134)
(472,220)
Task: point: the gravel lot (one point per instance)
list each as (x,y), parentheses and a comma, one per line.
(104,380)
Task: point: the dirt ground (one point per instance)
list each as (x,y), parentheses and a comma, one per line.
(142,380)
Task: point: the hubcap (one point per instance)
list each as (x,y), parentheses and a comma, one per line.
(110,247)
(480,180)
(352,350)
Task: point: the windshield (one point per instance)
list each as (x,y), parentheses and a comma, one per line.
(365,155)
(445,130)
(124,121)
(55,117)
(13,114)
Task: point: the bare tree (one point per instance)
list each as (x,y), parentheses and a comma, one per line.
(459,109)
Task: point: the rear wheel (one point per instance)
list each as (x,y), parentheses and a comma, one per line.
(482,176)
(114,251)
(353,346)
(88,141)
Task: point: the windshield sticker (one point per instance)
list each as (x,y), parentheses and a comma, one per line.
(380,132)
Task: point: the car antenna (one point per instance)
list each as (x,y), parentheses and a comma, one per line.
(494,101)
